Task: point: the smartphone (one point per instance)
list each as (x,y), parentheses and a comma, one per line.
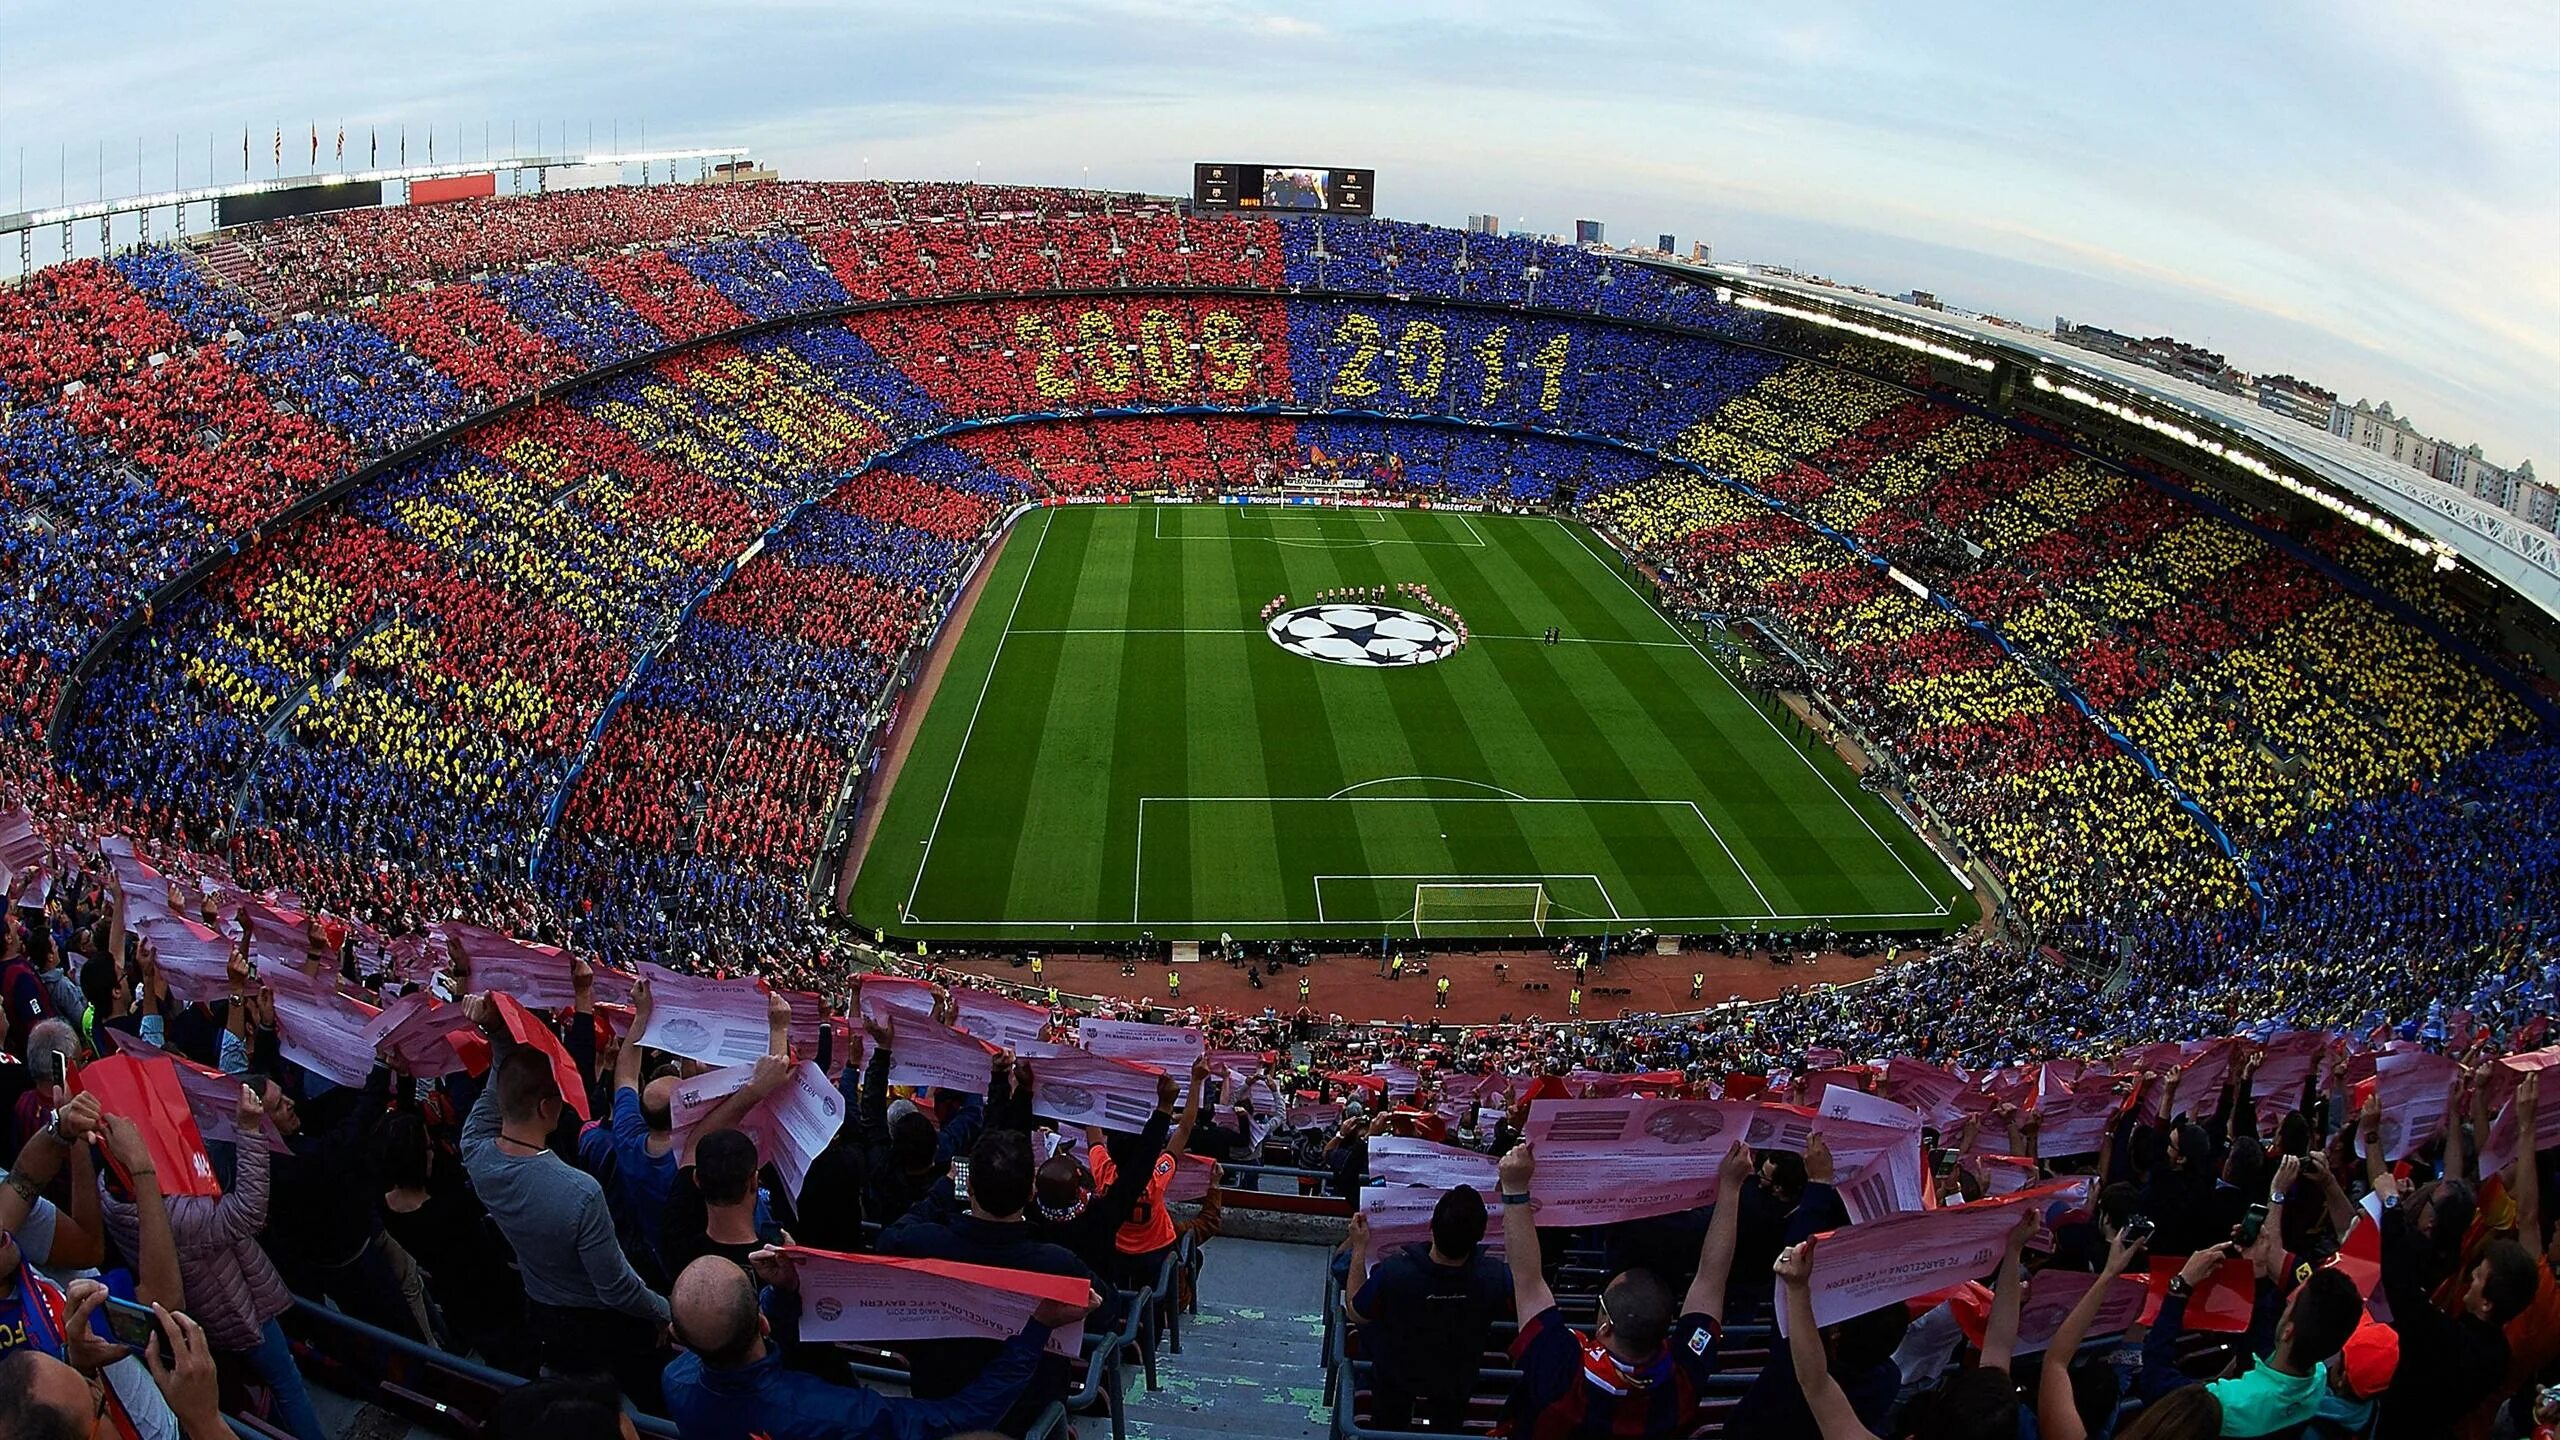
(960,1181)
(53,1068)
(2251,1223)
(133,1325)
(2138,1228)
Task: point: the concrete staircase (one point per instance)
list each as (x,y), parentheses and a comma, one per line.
(1252,1361)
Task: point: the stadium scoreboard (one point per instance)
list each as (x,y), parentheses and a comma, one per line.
(1301,188)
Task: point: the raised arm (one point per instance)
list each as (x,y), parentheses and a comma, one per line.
(2457,1156)
(2057,1410)
(2528,1181)
(2266,1252)
(1832,1412)
(1530,1296)
(2341,1206)
(42,1158)
(1180,1144)
(1354,1279)
(2242,1118)
(1715,1255)
(155,1258)
(2377,1170)
(242,1213)
(480,1127)
(626,1061)
(2000,1337)
(771,1074)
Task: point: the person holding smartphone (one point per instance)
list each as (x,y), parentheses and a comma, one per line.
(88,1388)
(66,1326)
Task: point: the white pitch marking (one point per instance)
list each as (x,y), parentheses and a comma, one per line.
(966,735)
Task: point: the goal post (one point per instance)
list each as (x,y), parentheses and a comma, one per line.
(1480,905)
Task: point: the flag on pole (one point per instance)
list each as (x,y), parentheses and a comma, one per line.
(404,144)
(244,152)
(315,144)
(342,144)
(279,149)
(373,146)
(431,144)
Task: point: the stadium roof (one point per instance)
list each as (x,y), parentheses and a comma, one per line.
(2426,515)
(202,194)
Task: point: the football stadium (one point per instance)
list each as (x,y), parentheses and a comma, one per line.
(647,794)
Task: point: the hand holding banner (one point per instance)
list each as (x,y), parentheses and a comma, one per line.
(887,995)
(212,1097)
(2416,1087)
(324,1033)
(881,1300)
(1864,1267)
(1075,1088)
(148,1093)
(1005,1024)
(924,1054)
(718,1022)
(194,961)
(1170,1048)
(537,975)
(1399,1161)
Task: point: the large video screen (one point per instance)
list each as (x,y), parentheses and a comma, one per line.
(1282,187)
(299,200)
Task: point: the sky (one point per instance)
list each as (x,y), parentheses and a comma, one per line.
(2365,193)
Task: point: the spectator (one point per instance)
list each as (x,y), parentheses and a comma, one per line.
(730,1382)
(464,1268)
(1145,1239)
(1641,1374)
(992,1232)
(571,1407)
(719,1209)
(1979,1404)
(1071,1207)
(325,1233)
(1426,1312)
(640,1143)
(43,1393)
(591,1311)
(232,1289)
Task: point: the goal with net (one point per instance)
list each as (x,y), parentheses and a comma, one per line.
(1512,907)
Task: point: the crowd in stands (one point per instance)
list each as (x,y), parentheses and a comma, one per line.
(2340,1232)
(542,625)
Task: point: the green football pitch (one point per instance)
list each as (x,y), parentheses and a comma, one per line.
(1119,746)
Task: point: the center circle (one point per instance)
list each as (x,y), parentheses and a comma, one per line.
(1362,634)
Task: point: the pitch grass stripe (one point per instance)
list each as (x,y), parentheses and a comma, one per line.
(1369,734)
(1883,828)
(1427,705)
(992,795)
(1298,755)
(1656,862)
(1637,732)
(1151,757)
(1666,859)
(1730,766)
(960,750)
(1225,758)
(1797,837)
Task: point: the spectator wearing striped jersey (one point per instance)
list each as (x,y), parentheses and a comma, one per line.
(1640,1373)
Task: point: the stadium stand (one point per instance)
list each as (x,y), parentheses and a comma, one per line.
(398,594)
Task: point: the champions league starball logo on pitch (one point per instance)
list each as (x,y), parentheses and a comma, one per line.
(1372,635)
